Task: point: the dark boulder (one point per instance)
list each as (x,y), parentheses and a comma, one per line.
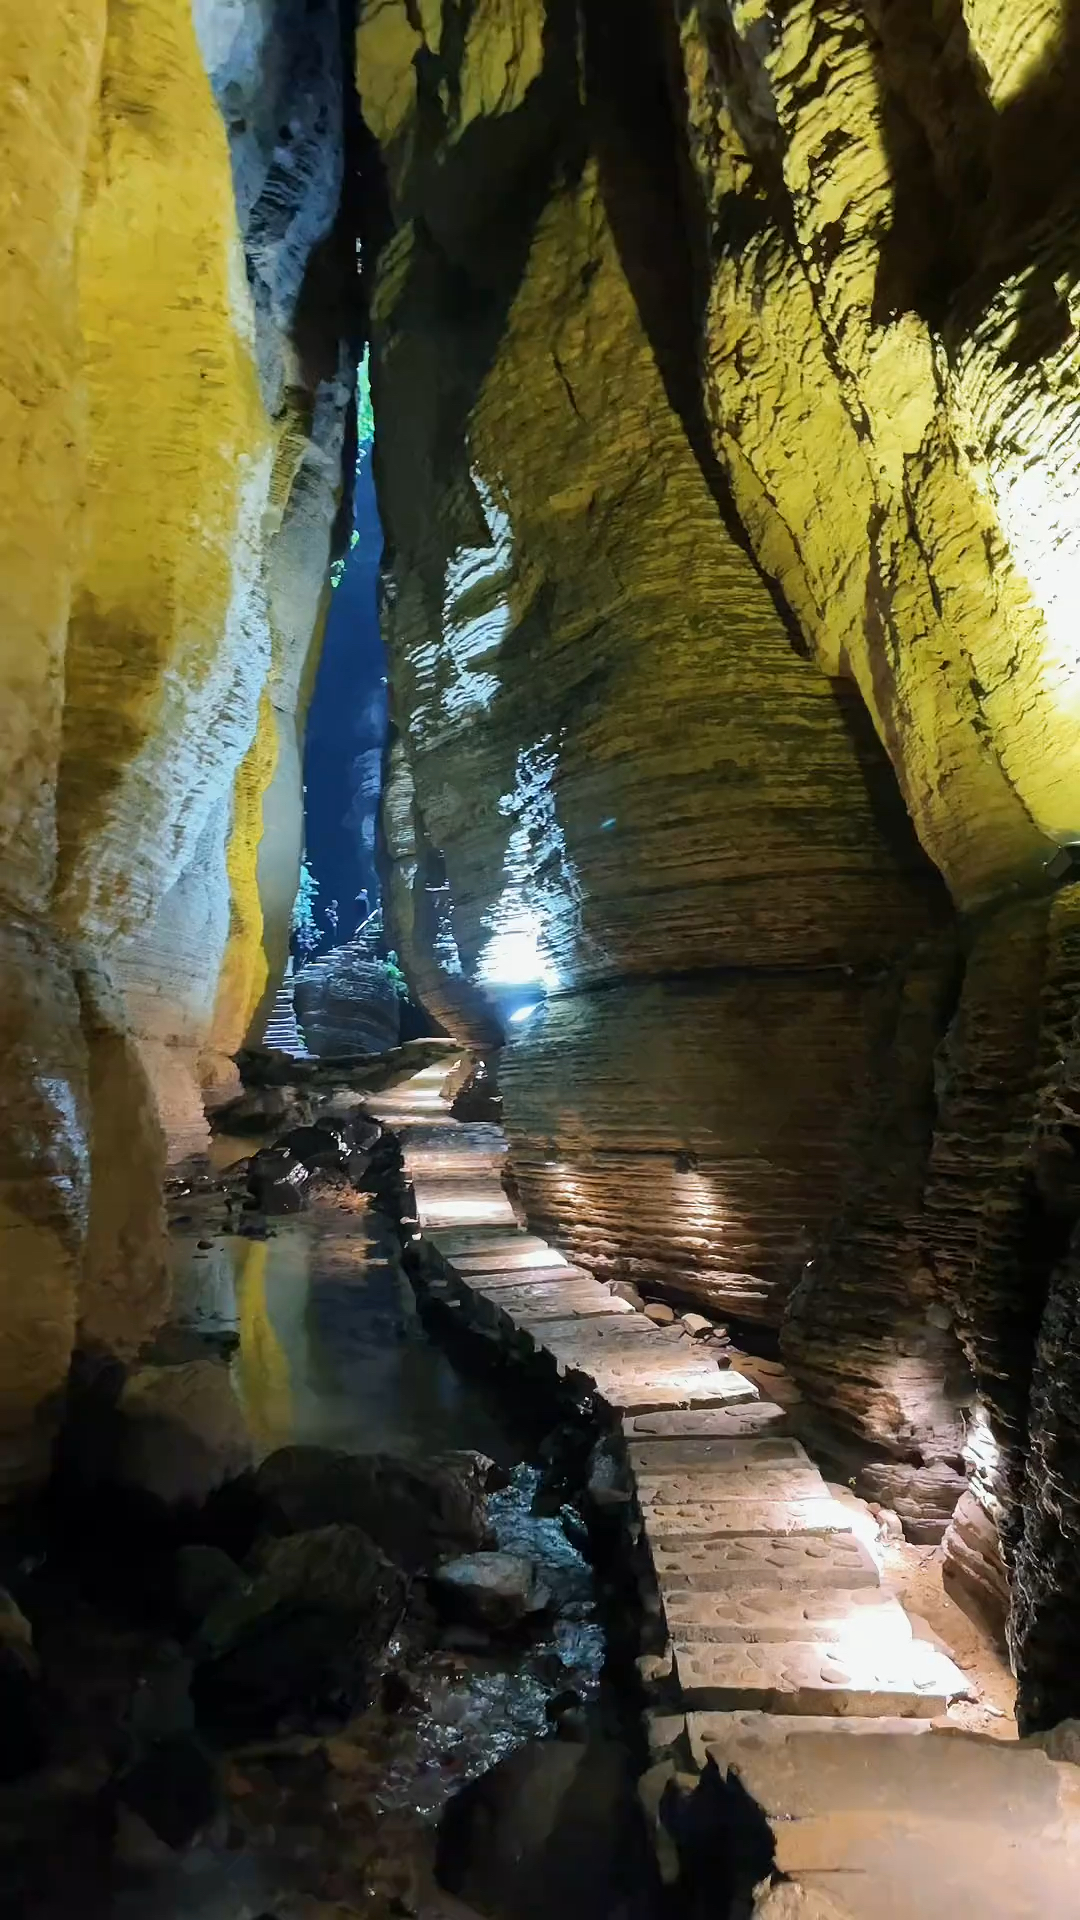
(553,1832)
(302,1639)
(277,1181)
(321,1146)
(418,1512)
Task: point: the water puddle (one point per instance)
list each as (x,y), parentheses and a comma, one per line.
(331,1350)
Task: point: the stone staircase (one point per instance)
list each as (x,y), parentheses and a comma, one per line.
(764,1585)
(770,1599)
(281,1031)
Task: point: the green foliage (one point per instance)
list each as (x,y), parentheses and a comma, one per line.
(397,978)
(365,418)
(305,933)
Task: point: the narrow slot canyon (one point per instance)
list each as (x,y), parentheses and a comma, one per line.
(540,960)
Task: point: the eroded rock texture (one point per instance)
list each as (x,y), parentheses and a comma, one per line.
(174,420)
(724,376)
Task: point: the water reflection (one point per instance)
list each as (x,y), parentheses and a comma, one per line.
(332,1350)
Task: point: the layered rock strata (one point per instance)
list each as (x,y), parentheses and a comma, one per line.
(175,417)
(723,361)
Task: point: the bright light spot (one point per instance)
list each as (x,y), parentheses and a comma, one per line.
(608,823)
(539,909)
(514,957)
(523,1013)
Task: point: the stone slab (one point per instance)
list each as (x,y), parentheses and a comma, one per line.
(693,1520)
(903,1678)
(476,1263)
(712,1484)
(838,1615)
(804,1774)
(635,1333)
(726,1735)
(465,1202)
(652,1457)
(490,1280)
(530,1306)
(708,1423)
(630,1386)
(806,1562)
(453,1240)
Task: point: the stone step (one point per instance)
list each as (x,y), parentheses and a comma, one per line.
(717,1484)
(495,1279)
(651,1457)
(796,1561)
(630,1385)
(694,1520)
(464,1202)
(708,1423)
(797,1677)
(479,1263)
(455,1240)
(635,1333)
(728,1737)
(529,1306)
(836,1614)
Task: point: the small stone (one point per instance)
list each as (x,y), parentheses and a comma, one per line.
(623,1290)
(204,1245)
(492,1591)
(659,1313)
(696,1325)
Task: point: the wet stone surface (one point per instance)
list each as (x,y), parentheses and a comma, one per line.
(149,1804)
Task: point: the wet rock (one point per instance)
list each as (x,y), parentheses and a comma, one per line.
(418,1512)
(550,1833)
(261,1110)
(659,1313)
(495,1591)
(173,1789)
(321,1147)
(277,1181)
(302,1638)
(203,1576)
(179,1432)
(609,1485)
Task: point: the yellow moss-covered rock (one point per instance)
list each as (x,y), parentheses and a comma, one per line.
(902,469)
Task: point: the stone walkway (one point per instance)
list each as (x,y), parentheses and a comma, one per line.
(778,1637)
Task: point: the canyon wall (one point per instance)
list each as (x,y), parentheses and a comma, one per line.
(174,387)
(724,371)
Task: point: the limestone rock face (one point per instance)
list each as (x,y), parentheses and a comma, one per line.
(724,369)
(346,1003)
(175,415)
(615,786)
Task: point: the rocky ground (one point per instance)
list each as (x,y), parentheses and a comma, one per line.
(249,1687)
